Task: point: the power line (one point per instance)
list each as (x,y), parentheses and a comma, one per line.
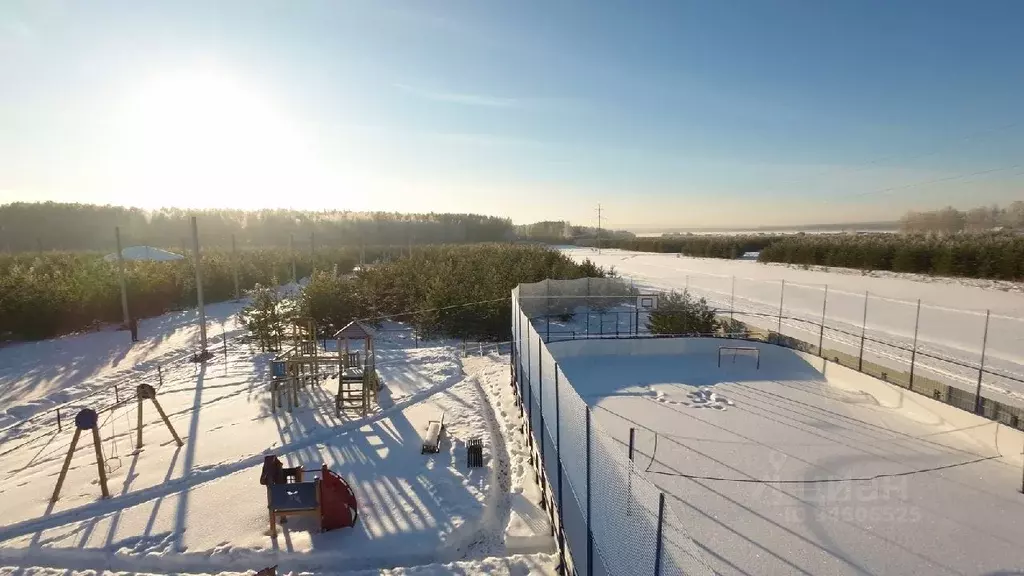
(871,163)
(934,181)
(396,315)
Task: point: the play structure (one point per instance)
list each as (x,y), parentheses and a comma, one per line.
(88,419)
(358,383)
(328,498)
(304,362)
(147,392)
(297,365)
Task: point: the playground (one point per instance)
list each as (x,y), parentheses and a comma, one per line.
(780,463)
(195,467)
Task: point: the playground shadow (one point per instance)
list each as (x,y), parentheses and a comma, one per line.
(33,371)
(410,503)
(407,500)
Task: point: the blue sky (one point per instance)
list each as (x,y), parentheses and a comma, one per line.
(669,113)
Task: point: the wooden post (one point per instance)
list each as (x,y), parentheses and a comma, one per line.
(67,464)
(145,391)
(99,462)
(138,428)
(167,421)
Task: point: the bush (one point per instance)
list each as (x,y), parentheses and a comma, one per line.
(266,317)
(680,313)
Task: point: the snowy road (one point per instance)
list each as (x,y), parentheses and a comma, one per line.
(950,334)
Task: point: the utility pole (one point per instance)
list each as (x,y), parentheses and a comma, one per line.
(291,250)
(199,288)
(598,227)
(234,265)
(120,275)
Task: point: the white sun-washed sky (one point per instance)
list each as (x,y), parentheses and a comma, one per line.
(669,113)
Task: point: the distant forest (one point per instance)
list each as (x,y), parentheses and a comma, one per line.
(949,220)
(83,227)
(50,226)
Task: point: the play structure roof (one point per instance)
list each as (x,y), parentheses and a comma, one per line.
(355,330)
(144,253)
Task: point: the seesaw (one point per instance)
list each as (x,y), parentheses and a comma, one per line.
(328,498)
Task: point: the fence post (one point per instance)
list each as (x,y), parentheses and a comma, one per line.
(160,375)
(540,404)
(821,334)
(58,420)
(913,352)
(732,300)
(117,397)
(589,307)
(981,367)
(590,532)
(548,332)
(629,473)
(558,459)
(657,544)
(782,298)
(636,321)
(863,330)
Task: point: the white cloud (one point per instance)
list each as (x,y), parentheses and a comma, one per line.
(465,98)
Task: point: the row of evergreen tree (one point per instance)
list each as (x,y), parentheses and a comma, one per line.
(57,293)
(430,290)
(43,296)
(699,246)
(994,255)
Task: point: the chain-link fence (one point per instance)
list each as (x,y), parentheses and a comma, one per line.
(610,518)
(967,358)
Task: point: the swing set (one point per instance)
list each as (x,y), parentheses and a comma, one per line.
(88,419)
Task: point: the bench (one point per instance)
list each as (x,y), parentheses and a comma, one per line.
(475,453)
(432,438)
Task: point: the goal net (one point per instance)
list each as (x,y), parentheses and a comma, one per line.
(746,355)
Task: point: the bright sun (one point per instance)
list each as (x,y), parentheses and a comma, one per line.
(201,138)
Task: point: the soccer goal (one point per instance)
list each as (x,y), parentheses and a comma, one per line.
(730,353)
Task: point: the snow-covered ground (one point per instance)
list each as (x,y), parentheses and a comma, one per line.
(785,472)
(951,330)
(200,508)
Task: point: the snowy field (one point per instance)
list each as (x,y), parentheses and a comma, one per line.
(951,331)
(779,471)
(201,509)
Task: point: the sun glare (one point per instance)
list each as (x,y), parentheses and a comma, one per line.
(203,138)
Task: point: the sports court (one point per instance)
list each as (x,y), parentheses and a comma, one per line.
(780,469)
